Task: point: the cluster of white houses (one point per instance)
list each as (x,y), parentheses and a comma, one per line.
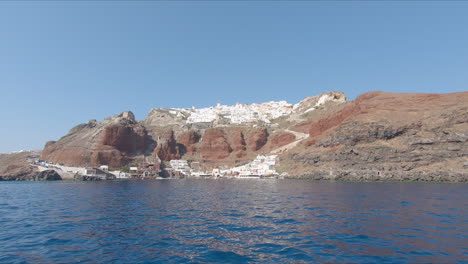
(261,167)
(242,113)
(235,114)
(149,169)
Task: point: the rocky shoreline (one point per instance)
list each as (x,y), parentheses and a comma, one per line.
(46,175)
(348,176)
(372,176)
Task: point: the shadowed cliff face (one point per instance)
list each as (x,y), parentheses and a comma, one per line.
(384,132)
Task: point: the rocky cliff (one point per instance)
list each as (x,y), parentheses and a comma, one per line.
(15,166)
(18,167)
(379,134)
(111,142)
(220,135)
(386,136)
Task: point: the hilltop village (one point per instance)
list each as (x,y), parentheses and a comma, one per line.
(171,159)
(241,140)
(247,113)
(377,136)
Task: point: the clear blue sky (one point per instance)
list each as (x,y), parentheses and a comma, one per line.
(63,63)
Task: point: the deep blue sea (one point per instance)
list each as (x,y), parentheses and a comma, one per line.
(233,221)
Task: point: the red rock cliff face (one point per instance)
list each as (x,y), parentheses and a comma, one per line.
(111,157)
(229,143)
(257,139)
(110,142)
(281,139)
(167,148)
(126,139)
(86,155)
(322,125)
(403,109)
(224,143)
(214,145)
(237,141)
(188,140)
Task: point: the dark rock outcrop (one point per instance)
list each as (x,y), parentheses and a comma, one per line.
(78,177)
(48,175)
(372,175)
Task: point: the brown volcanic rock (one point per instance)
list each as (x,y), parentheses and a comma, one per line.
(237,140)
(387,136)
(119,140)
(281,139)
(401,109)
(257,139)
(188,139)
(214,145)
(317,128)
(127,139)
(15,166)
(95,155)
(111,157)
(167,148)
(110,142)
(382,132)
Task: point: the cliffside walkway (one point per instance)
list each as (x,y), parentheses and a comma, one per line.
(299,137)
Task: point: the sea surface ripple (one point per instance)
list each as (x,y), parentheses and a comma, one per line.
(232,221)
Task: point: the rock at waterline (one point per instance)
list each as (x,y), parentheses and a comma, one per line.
(48,175)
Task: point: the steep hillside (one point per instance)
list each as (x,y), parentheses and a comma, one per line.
(16,166)
(386,136)
(377,136)
(215,136)
(111,142)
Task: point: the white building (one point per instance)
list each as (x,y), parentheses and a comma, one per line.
(246,113)
(181,166)
(262,166)
(241,113)
(121,174)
